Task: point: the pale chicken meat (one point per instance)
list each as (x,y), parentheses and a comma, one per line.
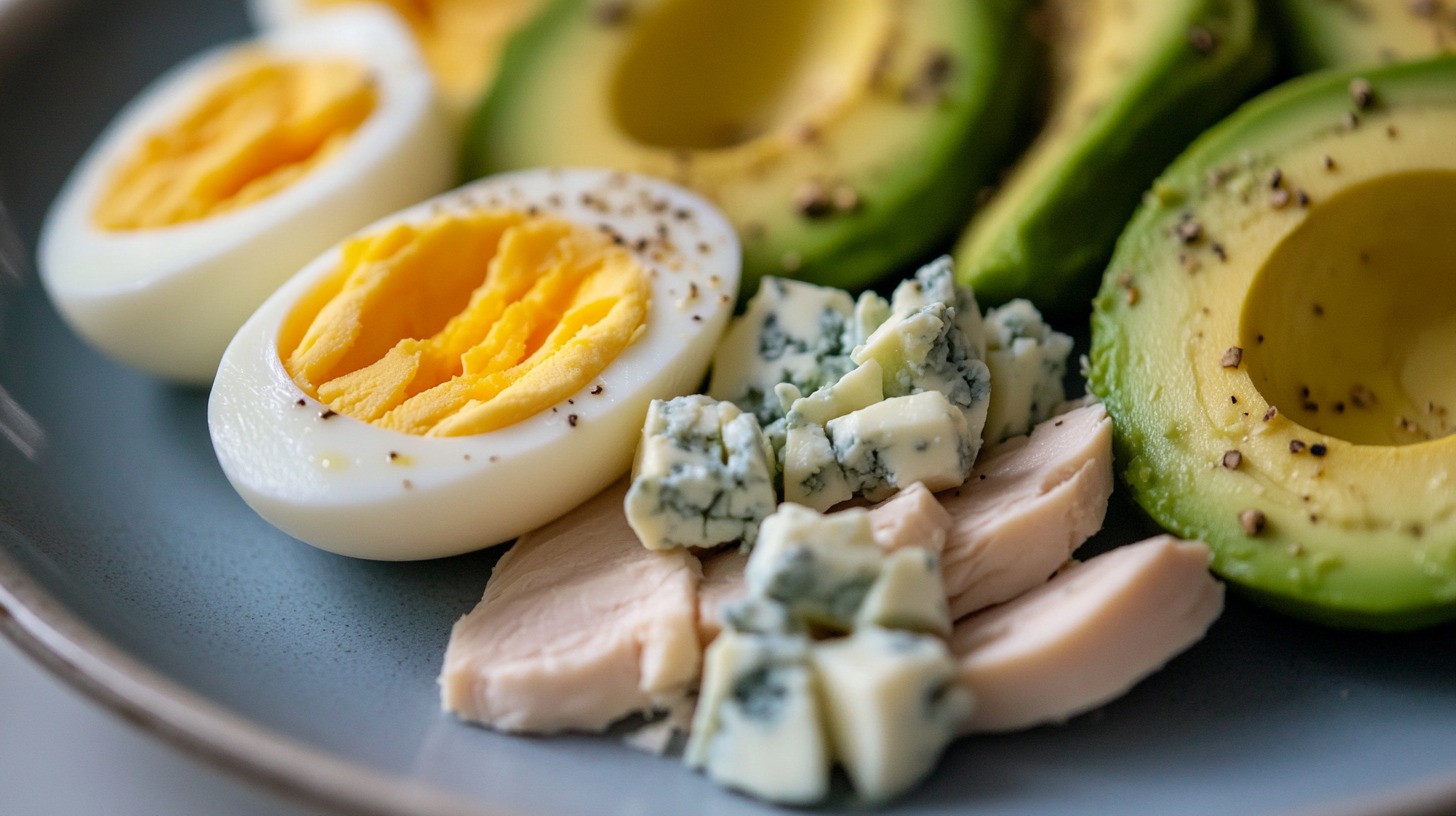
(580,626)
(911,518)
(1030,502)
(722,586)
(1087,636)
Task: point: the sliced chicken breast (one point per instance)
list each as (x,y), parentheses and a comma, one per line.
(722,585)
(1030,502)
(911,518)
(580,626)
(1087,636)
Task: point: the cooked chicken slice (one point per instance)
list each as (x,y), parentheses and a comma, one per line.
(1029,503)
(722,585)
(580,626)
(914,517)
(1086,636)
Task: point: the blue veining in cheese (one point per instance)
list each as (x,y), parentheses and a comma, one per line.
(1028,363)
(703,476)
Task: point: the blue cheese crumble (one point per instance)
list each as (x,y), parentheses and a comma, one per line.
(1028,363)
(703,476)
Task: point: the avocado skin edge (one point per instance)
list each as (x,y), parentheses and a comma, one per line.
(1322,35)
(1189,516)
(1098,184)
(933,192)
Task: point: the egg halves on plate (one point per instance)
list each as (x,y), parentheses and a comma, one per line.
(475,366)
(229,174)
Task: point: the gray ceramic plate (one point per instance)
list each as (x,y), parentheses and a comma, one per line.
(129,566)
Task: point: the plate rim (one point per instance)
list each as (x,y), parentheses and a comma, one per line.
(58,639)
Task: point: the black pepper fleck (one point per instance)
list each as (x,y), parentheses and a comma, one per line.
(1296,446)
(1318,449)
(1202,40)
(572,419)
(1361,93)
(328,413)
(1253,521)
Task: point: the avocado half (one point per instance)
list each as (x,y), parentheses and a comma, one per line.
(1274,341)
(1133,82)
(843,138)
(1327,34)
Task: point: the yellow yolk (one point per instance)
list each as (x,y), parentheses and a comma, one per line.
(258,130)
(461,39)
(465,324)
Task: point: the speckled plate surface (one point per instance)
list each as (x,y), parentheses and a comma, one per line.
(128,565)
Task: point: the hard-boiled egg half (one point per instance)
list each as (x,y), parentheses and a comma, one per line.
(461,39)
(231,172)
(475,366)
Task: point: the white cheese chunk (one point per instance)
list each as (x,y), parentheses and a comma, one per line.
(1028,362)
(790,332)
(900,441)
(909,594)
(758,727)
(818,567)
(812,476)
(859,388)
(702,476)
(935,283)
(892,705)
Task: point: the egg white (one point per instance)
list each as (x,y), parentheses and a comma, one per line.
(353,488)
(168,300)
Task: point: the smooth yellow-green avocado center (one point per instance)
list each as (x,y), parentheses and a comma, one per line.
(260,127)
(465,324)
(1350,326)
(684,83)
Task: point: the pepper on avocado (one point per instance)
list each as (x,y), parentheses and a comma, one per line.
(1274,341)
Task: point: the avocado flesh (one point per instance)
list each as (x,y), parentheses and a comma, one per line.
(1133,83)
(1328,34)
(1348,296)
(897,110)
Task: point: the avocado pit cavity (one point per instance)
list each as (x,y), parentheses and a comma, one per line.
(1348,326)
(707,76)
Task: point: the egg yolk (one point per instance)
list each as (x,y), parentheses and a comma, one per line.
(461,39)
(264,125)
(465,324)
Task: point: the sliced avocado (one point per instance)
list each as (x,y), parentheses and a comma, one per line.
(1133,82)
(1349,33)
(843,138)
(1274,339)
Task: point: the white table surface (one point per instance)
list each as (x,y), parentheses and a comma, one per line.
(61,754)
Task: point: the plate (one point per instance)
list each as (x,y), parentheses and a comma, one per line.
(129,566)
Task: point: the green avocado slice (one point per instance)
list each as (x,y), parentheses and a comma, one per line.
(1134,81)
(1329,34)
(844,139)
(1273,340)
